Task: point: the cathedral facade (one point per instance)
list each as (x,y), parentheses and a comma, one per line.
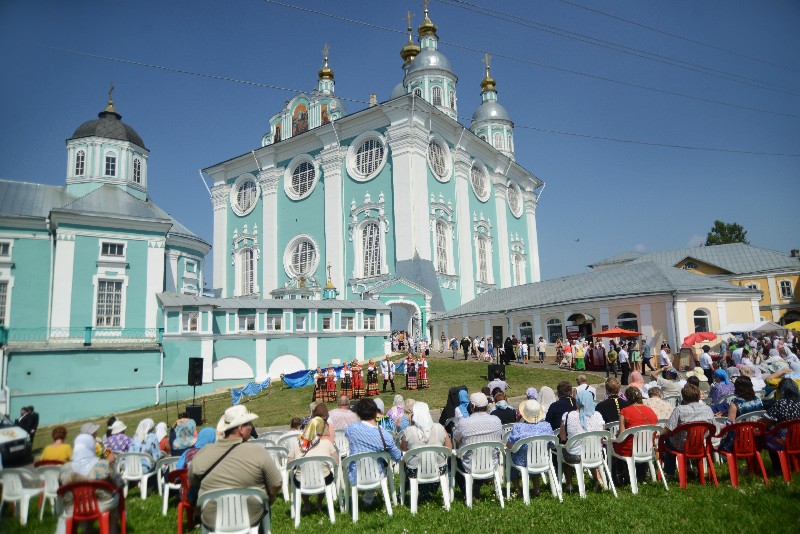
(400,201)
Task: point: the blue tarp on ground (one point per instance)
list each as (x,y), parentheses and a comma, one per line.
(299,379)
(251,389)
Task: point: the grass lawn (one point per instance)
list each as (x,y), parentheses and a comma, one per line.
(278,404)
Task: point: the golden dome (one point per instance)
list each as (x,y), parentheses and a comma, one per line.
(427,27)
(325,73)
(410,50)
(487,84)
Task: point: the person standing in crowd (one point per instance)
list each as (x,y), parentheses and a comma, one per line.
(442,342)
(664,359)
(523,350)
(706,363)
(646,355)
(388,370)
(624,363)
(422,372)
(541,348)
(358,380)
(330,384)
(454,346)
(319,385)
(636,358)
(611,361)
(372,379)
(599,356)
(411,373)
(466,344)
(347,381)
(579,352)
(28,420)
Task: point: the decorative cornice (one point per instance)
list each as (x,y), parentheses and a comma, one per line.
(219,196)
(363,212)
(268,179)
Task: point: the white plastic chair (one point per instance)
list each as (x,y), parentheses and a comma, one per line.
(16,493)
(164,466)
(539,462)
(131,469)
(368,477)
(280,456)
(645,439)
(48,474)
(507,428)
(752,416)
(286,438)
(312,482)
(674,400)
(342,444)
(427,473)
(233,516)
(594,455)
(613,429)
(482,466)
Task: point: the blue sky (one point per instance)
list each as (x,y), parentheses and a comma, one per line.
(601,197)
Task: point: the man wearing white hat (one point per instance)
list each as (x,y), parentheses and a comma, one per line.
(232,463)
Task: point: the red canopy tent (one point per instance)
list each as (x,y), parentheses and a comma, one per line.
(617,332)
(698,337)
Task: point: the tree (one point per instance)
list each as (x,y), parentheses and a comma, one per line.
(724,233)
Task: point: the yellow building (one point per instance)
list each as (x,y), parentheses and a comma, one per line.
(775,274)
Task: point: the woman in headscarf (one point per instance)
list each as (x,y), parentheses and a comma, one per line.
(185,436)
(145,440)
(85,466)
(722,387)
(204,437)
(532,424)
(546,397)
(583,419)
(463,404)
(423,432)
(404,421)
(162,434)
(396,411)
(321,411)
(312,442)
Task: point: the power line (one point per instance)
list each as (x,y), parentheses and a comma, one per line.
(363,102)
(537,63)
(621,48)
(676,36)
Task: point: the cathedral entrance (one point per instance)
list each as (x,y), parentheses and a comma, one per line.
(406,316)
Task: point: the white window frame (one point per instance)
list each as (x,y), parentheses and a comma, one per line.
(483,197)
(518,266)
(452,99)
(448,246)
(80,162)
(247,322)
(554,322)
(190,266)
(186,322)
(483,247)
(123,296)
(136,175)
(5,305)
(370,323)
(347,322)
(517,213)
(437,96)
(110,159)
(274,323)
(705,315)
(288,175)
(447,157)
(329,320)
(234,195)
(288,253)
(756,286)
(785,295)
(111,243)
(418,92)
(300,322)
(497,140)
(510,139)
(624,322)
(360,253)
(352,153)
(240,258)
(9,245)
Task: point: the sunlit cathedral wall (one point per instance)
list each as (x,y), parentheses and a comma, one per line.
(400,200)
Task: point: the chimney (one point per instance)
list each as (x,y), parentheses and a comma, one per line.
(795,253)
(373,99)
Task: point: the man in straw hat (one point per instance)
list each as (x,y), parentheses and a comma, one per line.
(233,463)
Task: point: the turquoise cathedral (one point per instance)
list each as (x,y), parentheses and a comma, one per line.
(336,230)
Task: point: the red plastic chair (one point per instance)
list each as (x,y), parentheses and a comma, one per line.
(697,447)
(745,447)
(87,508)
(181,476)
(790,455)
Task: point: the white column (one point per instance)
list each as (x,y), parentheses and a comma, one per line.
(465,328)
(331,162)
(270,256)
(529,198)
(722,312)
(261,359)
(312,352)
(207,353)
(773,291)
(604,317)
(171,271)
(219,202)
(359,348)
(62,280)
(646,321)
(682,320)
(503,246)
(487,328)
(756,310)
(465,272)
(537,328)
(155,281)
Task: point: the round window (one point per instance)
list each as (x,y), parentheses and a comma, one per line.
(244,195)
(366,156)
(479,183)
(303,178)
(439,160)
(301,258)
(514,200)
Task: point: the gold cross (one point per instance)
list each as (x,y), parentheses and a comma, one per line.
(486,58)
(408,17)
(424,4)
(110,91)
(325,50)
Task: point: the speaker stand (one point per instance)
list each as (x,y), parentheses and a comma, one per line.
(194,390)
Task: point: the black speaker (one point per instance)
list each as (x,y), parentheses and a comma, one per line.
(195,371)
(493,368)
(195,411)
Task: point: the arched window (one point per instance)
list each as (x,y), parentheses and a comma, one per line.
(436,95)
(479,182)
(246,195)
(513,200)
(371,247)
(554,330)
(628,321)
(525,331)
(303,178)
(483,260)
(247,272)
(452,99)
(137,171)
(437,159)
(701,321)
(510,143)
(80,163)
(519,269)
(111,165)
(441,247)
(498,140)
(369,156)
(303,258)
(418,92)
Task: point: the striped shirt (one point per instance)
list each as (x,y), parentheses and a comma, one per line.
(365,437)
(477,428)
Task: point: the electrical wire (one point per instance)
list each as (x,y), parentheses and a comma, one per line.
(297,91)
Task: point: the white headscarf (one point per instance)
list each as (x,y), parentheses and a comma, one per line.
(546,397)
(161,431)
(83,454)
(144,428)
(421,415)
